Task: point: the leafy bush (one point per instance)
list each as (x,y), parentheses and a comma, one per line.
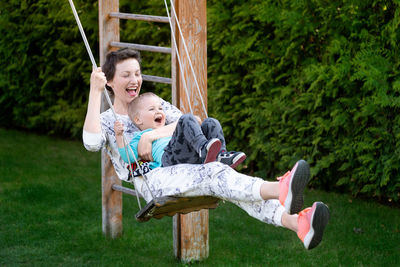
(312,79)
(44,67)
(45,74)
(317,80)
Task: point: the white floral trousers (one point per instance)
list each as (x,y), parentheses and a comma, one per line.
(212,179)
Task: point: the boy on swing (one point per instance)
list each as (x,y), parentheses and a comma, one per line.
(190,143)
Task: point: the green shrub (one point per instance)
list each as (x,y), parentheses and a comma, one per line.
(45,74)
(44,67)
(312,79)
(317,80)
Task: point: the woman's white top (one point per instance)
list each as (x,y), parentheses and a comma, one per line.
(106,139)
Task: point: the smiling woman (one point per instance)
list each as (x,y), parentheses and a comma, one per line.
(121,74)
(277,203)
(127,86)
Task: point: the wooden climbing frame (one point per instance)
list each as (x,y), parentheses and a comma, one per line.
(190,231)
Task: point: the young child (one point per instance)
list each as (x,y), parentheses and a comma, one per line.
(190,143)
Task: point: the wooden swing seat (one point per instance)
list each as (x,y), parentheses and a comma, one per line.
(170,205)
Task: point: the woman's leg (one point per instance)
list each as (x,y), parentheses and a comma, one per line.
(254,195)
(215,179)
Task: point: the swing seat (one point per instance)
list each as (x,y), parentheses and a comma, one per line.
(170,205)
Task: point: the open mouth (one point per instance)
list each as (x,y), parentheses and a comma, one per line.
(158,119)
(132,91)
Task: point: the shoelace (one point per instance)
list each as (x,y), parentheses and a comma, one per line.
(225,154)
(304,212)
(300,231)
(283,177)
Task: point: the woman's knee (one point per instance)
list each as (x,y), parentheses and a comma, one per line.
(215,169)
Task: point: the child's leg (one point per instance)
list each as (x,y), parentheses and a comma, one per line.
(212,129)
(186,143)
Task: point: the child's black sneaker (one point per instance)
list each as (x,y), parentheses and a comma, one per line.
(231,158)
(210,150)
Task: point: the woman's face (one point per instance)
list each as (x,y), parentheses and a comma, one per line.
(127,81)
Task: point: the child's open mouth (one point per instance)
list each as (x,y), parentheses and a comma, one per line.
(158,119)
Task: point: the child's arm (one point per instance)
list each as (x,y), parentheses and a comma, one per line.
(119,133)
(145,143)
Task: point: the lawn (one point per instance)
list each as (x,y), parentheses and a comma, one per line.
(50,215)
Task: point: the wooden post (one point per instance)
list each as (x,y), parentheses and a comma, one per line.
(190,231)
(111,199)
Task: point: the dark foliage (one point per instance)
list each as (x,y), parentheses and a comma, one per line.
(317,80)
(311,79)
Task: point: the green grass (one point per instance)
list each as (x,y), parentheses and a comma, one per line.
(50,215)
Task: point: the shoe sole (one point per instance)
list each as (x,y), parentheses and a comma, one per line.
(237,160)
(319,220)
(294,200)
(213,148)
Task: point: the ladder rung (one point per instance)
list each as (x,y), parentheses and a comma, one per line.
(122,189)
(151,48)
(138,17)
(156,79)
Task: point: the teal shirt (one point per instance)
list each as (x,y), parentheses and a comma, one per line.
(157,149)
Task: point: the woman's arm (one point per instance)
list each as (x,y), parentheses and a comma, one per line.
(93,139)
(145,143)
(92,120)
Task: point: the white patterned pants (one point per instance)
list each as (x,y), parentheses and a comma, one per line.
(212,179)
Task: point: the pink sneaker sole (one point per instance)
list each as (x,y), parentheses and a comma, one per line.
(319,220)
(300,175)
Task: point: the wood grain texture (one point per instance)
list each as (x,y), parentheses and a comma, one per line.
(111,199)
(190,231)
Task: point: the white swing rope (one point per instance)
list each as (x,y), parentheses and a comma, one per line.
(187,54)
(112,108)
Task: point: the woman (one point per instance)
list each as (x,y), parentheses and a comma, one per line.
(275,203)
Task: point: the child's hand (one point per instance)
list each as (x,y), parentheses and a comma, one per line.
(198,119)
(118,128)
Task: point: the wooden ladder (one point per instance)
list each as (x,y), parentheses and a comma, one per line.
(190,231)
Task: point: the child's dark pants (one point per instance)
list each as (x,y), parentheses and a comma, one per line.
(189,138)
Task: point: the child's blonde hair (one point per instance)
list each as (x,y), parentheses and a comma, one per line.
(133,107)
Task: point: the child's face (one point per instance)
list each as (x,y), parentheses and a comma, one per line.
(151,114)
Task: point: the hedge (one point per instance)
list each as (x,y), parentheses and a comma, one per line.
(45,66)
(317,80)
(311,79)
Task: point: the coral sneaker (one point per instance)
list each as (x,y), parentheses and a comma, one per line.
(292,185)
(312,222)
